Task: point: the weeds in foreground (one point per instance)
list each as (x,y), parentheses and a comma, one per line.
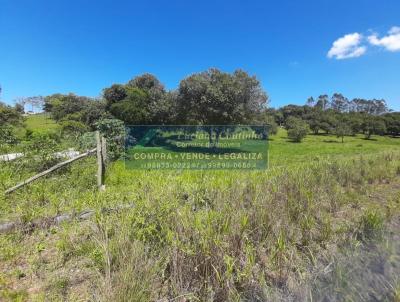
(210,240)
(210,236)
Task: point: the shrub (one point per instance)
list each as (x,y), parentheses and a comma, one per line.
(7,136)
(297,129)
(40,150)
(342,129)
(114,131)
(71,127)
(87,141)
(272,125)
(373,125)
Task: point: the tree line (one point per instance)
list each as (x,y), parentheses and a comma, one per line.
(339,116)
(212,97)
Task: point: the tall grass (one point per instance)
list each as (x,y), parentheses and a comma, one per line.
(206,235)
(233,236)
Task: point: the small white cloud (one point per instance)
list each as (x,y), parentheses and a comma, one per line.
(348,46)
(390,42)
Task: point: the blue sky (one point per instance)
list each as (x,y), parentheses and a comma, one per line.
(83,46)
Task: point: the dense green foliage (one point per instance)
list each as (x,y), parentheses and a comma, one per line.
(9,118)
(342,117)
(215,97)
(143,100)
(114,131)
(9,115)
(297,129)
(77,108)
(7,136)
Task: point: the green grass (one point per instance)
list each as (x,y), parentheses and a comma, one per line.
(242,232)
(41,123)
(284,152)
(216,235)
(316,147)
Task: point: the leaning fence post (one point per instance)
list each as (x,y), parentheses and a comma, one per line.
(104,152)
(100,166)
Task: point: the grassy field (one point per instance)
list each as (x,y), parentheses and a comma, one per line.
(316,147)
(205,235)
(41,123)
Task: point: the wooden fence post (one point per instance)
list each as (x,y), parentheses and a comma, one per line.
(104,151)
(100,163)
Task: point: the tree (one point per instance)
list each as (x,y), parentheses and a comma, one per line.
(165,110)
(267,119)
(379,107)
(315,119)
(297,129)
(161,104)
(339,103)
(213,97)
(373,125)
(328,120)
(311,102)
(143,100)
(278,115)
(291,122)
(114,94)
(9,115)
(323,102)
(93,111)
(392,121)
(60,105)
(342,129)
(77,108)
(134,109)
(374,107)
(294,111)
(147,82)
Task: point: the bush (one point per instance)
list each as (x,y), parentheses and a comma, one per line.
(8,115)
(40,151)
(297,129)
(373,125)
(73,127)
(114,131)
(7,136)
(87,141)
(342,129)
(272,125)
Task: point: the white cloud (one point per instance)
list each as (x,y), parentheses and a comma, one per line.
(394,30)
(348,46)
(391,41)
